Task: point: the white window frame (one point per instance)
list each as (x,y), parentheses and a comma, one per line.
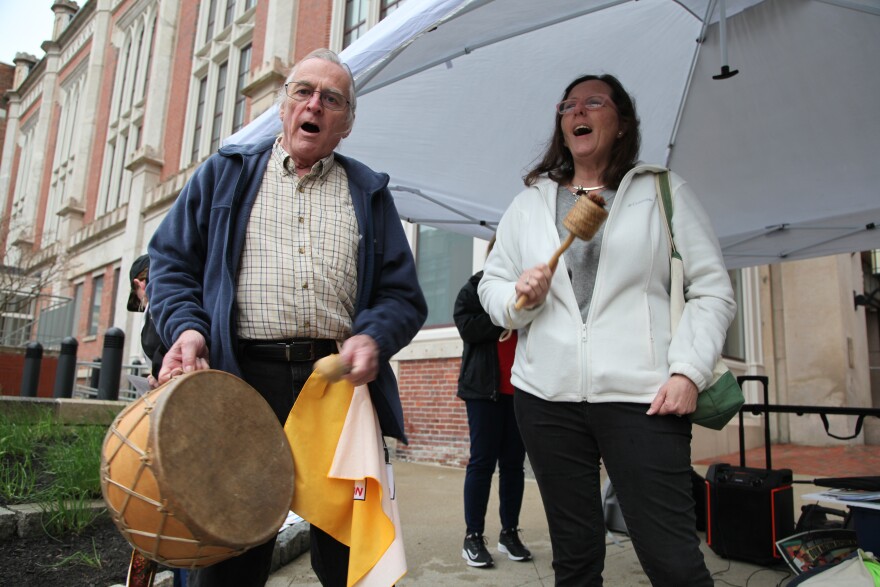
(94,311)
(64,163)
(749,308)
(241,81)
(135,32)
(23,209)
(223,47)
(337,30)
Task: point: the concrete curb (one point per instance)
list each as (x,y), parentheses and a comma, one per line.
(25,520)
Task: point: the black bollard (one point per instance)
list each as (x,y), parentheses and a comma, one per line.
(111,364)
(30,377)
(66,372)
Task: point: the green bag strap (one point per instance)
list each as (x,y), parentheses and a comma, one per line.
(662,180)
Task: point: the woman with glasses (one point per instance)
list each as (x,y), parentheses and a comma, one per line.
(598,376)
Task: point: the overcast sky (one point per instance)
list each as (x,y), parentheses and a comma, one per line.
(24,25)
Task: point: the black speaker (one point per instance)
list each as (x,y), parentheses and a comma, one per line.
(747,511)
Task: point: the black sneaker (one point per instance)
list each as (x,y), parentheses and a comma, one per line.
(474,551)
(510,544)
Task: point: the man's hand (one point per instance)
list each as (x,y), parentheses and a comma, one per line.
(362,353)
(678,397)
(188,353)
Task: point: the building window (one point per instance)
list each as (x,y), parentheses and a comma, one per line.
(212,17)
(95,306)
(116,274)
(24,210)
(200,114)
(355,17)
(355,21)
(128,104)
(146,85)
(735,343)
(244,68)
(119,196)
(230,13)
(217,121)
(388,6)
(63,164)
(221,63)
(77,306)
(16,318)
(444,261)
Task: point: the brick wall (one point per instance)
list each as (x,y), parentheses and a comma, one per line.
(313,27)
(12,369)
(92,347)
(175,121)
(436,420)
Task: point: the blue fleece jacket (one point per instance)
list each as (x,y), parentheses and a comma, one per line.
(195,253)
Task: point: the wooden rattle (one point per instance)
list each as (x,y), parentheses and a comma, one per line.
(582,221)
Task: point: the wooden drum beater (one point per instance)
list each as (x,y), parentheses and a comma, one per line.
(582,221)
(332,368)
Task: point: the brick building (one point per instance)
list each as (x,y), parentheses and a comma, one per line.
(102,132)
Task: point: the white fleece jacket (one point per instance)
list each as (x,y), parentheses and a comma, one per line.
(624,351)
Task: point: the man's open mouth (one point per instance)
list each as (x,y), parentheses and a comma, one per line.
(310,127)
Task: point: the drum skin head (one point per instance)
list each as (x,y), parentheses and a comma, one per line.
(223,460)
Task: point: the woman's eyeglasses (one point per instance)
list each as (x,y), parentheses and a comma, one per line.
(590,103)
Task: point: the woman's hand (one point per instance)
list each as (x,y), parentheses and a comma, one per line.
(678,396)
(534,284)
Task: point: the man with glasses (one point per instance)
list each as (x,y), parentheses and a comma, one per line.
(273,255)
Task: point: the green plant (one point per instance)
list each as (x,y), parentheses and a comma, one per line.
(17,480)
(92,559)
(53,464)
(22,430)
(67,513)
(75,461)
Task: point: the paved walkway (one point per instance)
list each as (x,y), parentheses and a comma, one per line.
(432,514)
(814,461)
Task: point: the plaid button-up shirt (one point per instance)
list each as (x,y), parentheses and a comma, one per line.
(298,272)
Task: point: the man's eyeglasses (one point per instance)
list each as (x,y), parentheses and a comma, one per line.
(302,92)
(590,103)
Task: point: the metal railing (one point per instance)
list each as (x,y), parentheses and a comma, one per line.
(51,316)
(88,375)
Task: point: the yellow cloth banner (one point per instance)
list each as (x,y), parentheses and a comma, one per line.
(341,483)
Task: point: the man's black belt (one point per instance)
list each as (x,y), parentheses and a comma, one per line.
(290,351)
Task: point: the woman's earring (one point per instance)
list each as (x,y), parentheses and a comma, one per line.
(620,134)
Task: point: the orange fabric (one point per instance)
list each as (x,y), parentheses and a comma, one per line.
(340,478)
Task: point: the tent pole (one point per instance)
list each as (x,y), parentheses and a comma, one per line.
(699,41)
(722,24)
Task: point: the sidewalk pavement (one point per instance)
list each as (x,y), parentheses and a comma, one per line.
(432,516)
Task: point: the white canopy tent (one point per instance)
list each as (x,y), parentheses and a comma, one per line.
(456,97)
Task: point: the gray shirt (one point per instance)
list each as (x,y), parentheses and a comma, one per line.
(582,257)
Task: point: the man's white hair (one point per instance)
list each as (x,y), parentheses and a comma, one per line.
(332,57)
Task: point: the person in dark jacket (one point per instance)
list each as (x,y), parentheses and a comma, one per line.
(484,385)
(277,254)
(138,301)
